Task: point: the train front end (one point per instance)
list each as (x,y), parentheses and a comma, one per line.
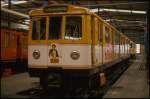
(58,42)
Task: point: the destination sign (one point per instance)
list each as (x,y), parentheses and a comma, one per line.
(53,9)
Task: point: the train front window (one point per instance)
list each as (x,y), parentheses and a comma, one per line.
(55,25)
(39,28)
(73,30)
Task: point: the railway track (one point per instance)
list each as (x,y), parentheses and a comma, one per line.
(56,92)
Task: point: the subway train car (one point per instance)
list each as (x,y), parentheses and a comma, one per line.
(132,49)
(74,48)
(13,49)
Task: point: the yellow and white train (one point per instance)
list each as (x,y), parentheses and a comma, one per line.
(71,45)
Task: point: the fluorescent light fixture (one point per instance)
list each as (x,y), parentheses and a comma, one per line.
(140,12)
(18,2)
(127,11)
(108,20)
(13,2)
(23,26)
(3,3)
(27,20)
(15,13)
(118,10)
(93,10)
(112,10)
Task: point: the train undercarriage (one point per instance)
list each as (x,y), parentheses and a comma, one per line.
(81,83)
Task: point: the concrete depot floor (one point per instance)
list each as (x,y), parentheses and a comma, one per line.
(16,83)
(132,84)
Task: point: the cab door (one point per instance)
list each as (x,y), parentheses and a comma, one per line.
(55,26)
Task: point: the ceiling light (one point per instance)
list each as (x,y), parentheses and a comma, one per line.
(118,10)
(18,2)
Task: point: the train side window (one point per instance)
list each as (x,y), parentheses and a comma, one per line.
(39,28)
(55,26)
(107,35)
(113,33)
(101,32)
(116,38)
(98,31)
(73,28)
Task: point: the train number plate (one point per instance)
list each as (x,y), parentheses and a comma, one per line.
(54,60)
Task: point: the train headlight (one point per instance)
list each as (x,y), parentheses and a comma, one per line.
(75,55)
(36,54)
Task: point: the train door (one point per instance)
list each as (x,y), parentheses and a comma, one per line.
(54,34)
(121,45)
(107,48)
(92,38)
(95,42)
(113,43)
(96,33)
(100,41)
(117,44)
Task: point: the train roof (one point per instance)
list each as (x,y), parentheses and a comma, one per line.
(59,8)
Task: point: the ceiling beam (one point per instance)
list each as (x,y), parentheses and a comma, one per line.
(14,13)
(112,4)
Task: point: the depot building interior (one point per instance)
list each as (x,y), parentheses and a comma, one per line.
(130,17)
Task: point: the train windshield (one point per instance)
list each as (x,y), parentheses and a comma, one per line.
(55,27)
(39,28)
(70,29)
(73,28)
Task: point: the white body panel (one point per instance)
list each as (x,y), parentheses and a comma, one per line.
(116,51)
(107,53)
(42,61)
(64,51)
(126,49)
(121,50)
(98,54)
